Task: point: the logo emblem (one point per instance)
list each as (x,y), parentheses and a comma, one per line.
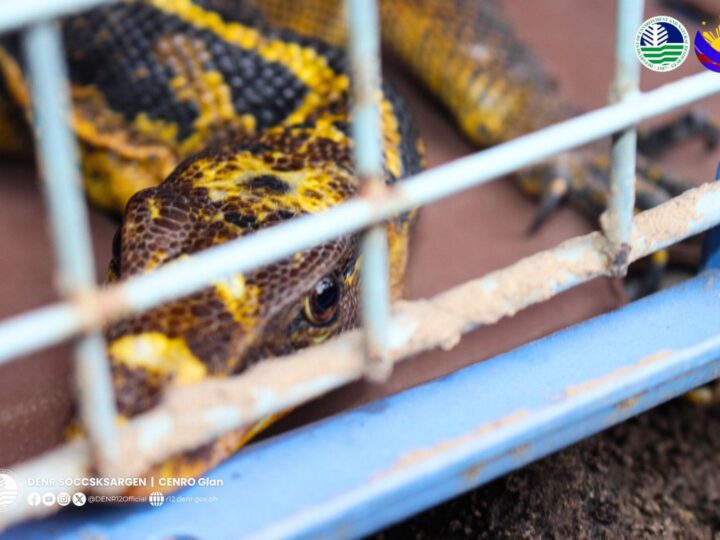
(707,48)
(8,489)
(662,43)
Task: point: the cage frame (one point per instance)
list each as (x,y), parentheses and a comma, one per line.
(86,308)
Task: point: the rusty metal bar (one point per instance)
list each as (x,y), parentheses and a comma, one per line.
(364,55)
(192,415)
(617,221)
(18,335)
(494,418)
(66,205)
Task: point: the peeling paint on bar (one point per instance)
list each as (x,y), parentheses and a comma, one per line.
(70,226)
(617,220)
(192,415)
(364,55)
(595,383)
(424,454)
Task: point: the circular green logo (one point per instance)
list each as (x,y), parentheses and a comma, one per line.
(662,43)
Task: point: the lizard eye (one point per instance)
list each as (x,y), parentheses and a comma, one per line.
(322,303)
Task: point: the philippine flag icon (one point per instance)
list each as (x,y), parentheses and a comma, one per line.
(707,49)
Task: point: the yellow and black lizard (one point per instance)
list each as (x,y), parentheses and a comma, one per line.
(201,121)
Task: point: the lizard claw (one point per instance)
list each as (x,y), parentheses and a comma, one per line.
(554,194)
(693,124)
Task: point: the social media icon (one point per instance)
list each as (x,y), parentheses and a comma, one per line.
(63,499)
(79,499)
(48,499)
(34,499)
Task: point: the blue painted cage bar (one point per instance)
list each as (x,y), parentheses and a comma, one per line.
(387,338)
(364,47)
(69,224)
(618,218)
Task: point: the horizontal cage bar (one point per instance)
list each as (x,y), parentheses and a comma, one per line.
(183,277)
(190,416)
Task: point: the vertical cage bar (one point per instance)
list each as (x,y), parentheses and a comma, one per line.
(617,222)
(364,50)
(58,161)
(16,14)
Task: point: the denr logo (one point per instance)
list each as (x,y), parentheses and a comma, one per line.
(8,489)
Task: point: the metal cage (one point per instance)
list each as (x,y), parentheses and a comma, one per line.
(666,344)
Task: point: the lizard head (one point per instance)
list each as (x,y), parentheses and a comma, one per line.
(213,198)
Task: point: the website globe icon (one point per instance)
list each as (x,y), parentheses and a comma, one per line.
(156,498)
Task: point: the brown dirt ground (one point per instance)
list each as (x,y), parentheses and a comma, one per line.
(655,476)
